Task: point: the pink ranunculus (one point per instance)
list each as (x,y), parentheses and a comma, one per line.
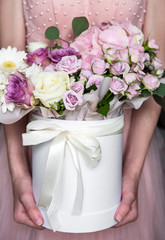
(130,77)
(19,90)
(39,57)
(71,99)
(77,87)
(69,64)
(117,85)
(152,44)
(132,90)
(119,68)
(114,37)
(98,66)
(94,79)
(151,82)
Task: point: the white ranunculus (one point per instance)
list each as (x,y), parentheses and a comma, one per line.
(36,45)
(50,86)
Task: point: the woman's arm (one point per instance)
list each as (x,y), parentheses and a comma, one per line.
(12,32)
(143,123)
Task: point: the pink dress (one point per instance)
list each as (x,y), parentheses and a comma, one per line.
(40,14)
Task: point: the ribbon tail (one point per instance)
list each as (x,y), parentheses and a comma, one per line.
(77,208)
(51,191)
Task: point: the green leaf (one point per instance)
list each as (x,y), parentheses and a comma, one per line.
(145,93)
(93,87)
(104,110)
(56,47)
(160,91)
(52,33)
(79,25)
(160,101)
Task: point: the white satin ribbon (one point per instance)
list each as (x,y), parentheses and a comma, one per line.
(84,140)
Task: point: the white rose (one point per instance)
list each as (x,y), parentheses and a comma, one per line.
(50,86)
(36,45)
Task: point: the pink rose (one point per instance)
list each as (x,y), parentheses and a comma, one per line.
(152,44)
(117,85)
(135,55)
(114,37)
(130,77)
(71,99)
(119,68)
(85,73)
(132,90)
(78,87)
(69,64)
(151,82)
(98,66)
(94,79)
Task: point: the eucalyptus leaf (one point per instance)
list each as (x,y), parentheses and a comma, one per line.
(52,33)
(160,91)
(79,25)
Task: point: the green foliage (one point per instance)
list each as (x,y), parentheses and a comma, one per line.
(104,106)
(104,109)
(160,101)
(160,91)
(52,33)
(145,93)
(79,25)
(93,87)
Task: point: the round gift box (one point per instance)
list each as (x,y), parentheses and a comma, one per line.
(102,184)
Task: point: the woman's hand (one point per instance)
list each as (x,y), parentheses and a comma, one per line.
(25,210)
(128,210)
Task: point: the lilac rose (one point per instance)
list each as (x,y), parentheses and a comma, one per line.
(151,82)
(119,68)
(99,66)
(56,55)
(94,79)
(19,90)
(132,90)
(71,99)
(77,87)
(117,85)
(69,64)
(38,57)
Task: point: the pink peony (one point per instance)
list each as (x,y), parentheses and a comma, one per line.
(114,37)
(69,64)
(98,66)
(94,79)
(151,82)
(119,68)
(71,99)
(132,90)
(117,85)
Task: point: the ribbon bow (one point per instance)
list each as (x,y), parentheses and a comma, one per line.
(84,140)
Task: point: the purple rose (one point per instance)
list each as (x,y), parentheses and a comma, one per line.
(57,54)
(117,85)
(19,90)
(38,57)
(77,87)
(69,64)
(94,79)
(132,90)
(151,82)
(71,99)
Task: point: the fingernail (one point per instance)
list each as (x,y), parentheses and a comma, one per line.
(119,218)
(38,221)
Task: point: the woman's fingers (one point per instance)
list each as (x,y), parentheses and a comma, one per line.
(33,212)
(21,216)
(131,216)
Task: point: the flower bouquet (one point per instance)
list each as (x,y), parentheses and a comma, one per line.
(77,159)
